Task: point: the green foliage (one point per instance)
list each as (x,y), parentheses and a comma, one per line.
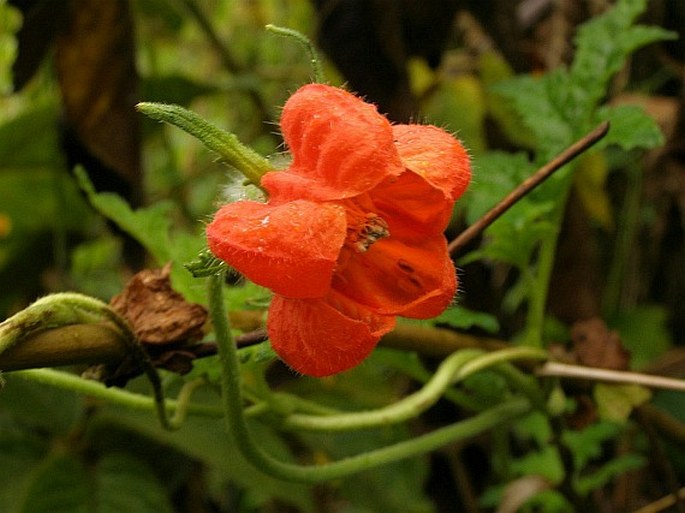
(462,318)
(558,107)
(67,454)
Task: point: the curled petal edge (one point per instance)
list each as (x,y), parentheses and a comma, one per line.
(316,339)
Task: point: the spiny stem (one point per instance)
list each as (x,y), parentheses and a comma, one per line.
(528,185)
(232,399)
(314,60)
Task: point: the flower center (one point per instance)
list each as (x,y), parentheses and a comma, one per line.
(363,229)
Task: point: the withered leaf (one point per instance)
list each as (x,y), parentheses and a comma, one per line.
(95,61)
(597,346)
(157,314)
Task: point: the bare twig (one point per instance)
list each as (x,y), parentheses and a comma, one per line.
(663,503)
(528,185)
(564,370)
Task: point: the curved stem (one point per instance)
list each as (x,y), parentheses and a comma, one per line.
(456,367)
(65,308)
(232,398)
(314,60)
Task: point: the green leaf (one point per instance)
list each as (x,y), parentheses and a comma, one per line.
(616,402)
(586,445)
(30,139)
(631,128)
(536,101)
(495,175)
(21,450)
(618,465)
(644,333)
(151,226)
(395,487)
(602,46)
(463,318)
(124,484)
(41,408)
(515,235)
(207,441)
(95,267)
(60,485)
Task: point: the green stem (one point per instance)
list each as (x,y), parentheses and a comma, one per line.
(95,389)
(628,223)
(314,60)
(537,306)
(67,308)
(232,151)
(236,423)
(454,368)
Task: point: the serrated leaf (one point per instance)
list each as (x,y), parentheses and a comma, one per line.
(495,175)
(586,445)
(494,68)
(533,98)
(124,484)
(513,237)
(631,128)
(60,485)
(602,46)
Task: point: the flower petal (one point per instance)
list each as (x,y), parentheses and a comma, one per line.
(316,339)
(412,207)
(291,249)
(435,155)
(395,278)
(341,146)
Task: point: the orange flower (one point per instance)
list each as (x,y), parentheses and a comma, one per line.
(352,234)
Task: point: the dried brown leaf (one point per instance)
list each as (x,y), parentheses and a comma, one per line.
(597,346)
(157,314)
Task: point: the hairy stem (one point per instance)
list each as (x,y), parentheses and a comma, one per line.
(236,423)
(456,367)
(232,151)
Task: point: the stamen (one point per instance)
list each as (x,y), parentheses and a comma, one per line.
(365,231)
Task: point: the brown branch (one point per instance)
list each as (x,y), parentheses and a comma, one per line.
(526,186)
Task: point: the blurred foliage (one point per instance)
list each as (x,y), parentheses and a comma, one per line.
(63,453)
